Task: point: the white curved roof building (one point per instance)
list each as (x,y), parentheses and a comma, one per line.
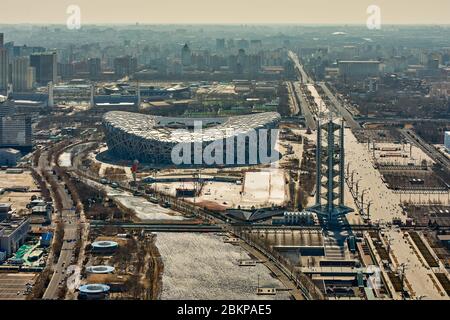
(155,139)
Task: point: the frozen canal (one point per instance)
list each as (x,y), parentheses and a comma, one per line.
(202,266)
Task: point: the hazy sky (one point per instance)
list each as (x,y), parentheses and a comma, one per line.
(226,11)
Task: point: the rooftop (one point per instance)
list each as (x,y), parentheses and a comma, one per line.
(10,150)
(174,130)
(7,227)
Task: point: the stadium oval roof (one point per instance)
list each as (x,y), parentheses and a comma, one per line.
(104,244)
(94,288)
(179,130)
(100,269)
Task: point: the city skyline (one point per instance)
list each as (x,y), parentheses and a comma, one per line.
(231,12)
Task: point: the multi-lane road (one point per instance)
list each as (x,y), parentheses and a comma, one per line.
(419,277)
(339,107)
(70,224)
(302,75)
(427,148)
(304,105)
(307,80)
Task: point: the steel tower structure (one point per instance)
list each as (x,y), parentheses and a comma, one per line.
(330,173)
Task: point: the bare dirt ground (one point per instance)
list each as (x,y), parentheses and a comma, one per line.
(19,200)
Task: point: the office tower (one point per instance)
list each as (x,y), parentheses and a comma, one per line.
(2,39)
(45,65)
(330,175)
(22,74)
(186,56)
(66,70)
(241,63)
(25,51)
(94,67)
(125,66)
(4,69)
(243,44)
(220,44)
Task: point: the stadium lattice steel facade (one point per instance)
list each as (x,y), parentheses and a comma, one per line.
(151,139)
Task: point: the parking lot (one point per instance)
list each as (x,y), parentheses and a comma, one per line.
(13,286)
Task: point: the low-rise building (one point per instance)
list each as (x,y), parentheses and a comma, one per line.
(44,212)
(445,239)
(9,157)
(5,210)
(46,239)
(13,233)
(16,132)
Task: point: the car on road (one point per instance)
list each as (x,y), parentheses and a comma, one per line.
(153,200)
(166,205)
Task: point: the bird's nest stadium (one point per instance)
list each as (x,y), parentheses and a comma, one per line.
(162,141)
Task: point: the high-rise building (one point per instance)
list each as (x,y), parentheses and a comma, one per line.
(22,74)
(95,67)
(4,68)
(25,51)
(2,39)
(243,44)
(66,70)
(186,56)
(125,66)
(220,44)
(45,65)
